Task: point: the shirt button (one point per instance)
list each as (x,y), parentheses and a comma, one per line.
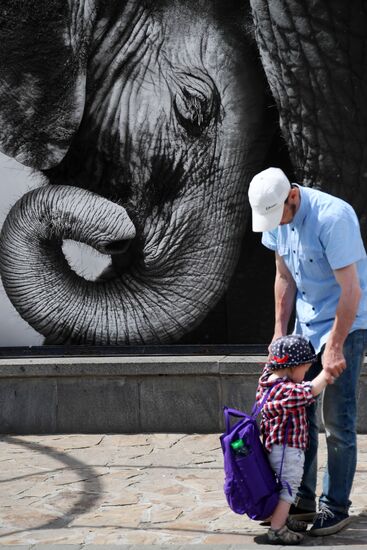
(311,260)
(292,228)
(313,309)
(296,272)
(294,251)
(303,292)
(307,324)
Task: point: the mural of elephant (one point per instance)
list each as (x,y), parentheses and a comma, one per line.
(148,119)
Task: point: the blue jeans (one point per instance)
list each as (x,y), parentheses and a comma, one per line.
(339,415)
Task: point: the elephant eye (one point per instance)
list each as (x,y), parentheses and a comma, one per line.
(196,104)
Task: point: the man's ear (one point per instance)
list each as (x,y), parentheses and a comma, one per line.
(43,58)
(293,194)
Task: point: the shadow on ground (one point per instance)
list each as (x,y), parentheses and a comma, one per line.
(87,498)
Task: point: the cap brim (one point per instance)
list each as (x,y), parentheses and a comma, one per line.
(268,222)
(275,366)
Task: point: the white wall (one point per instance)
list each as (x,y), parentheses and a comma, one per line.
(15,180)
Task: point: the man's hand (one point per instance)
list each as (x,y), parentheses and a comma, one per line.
(275,337)
(333,363)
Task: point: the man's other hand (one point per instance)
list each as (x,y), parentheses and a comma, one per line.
(333,363)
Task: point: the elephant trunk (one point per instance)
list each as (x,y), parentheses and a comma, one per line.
(155,300)
(36,276)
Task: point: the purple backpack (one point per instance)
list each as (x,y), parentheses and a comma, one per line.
(251,487)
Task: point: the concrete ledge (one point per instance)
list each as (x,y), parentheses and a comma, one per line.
(128,366)
(130,394)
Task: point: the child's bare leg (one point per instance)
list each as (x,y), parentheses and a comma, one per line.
(280,532)
(280,514)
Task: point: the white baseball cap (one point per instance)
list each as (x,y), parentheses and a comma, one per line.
(267,192)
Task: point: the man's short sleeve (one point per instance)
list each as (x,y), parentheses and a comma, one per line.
(341,238)
(270,238)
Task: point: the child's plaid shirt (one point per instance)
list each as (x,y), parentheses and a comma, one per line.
(286,399)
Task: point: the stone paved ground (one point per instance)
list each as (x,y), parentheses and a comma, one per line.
(160,489)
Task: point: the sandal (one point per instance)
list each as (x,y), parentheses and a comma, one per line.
(296,525)
(284,536)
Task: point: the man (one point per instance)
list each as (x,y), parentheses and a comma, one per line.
(321,268)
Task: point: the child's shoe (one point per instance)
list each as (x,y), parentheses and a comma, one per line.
(296,525)
(284,536)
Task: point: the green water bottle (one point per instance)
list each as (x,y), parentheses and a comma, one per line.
(239,447)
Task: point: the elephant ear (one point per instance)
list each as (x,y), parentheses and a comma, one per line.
(43,46)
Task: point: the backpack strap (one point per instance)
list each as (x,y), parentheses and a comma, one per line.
(231,412)
(284,482)
(256,409)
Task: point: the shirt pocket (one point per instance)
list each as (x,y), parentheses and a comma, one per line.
(313,263)
(283,251)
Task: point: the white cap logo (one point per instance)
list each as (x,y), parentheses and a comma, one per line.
(267,192)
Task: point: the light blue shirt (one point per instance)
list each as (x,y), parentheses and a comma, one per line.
(324,235)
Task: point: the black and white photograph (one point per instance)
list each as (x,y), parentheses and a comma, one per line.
(183,273)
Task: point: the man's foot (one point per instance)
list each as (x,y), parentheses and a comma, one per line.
(327,522)
(300,513)
(296,525)
(284,536)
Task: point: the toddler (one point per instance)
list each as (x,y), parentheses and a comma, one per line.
(284,417)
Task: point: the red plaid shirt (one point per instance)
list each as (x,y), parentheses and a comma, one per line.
(286,399)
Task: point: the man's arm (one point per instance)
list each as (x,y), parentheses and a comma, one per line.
(284,295)
(333,358)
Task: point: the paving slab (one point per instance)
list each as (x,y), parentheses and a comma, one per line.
(94,491)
